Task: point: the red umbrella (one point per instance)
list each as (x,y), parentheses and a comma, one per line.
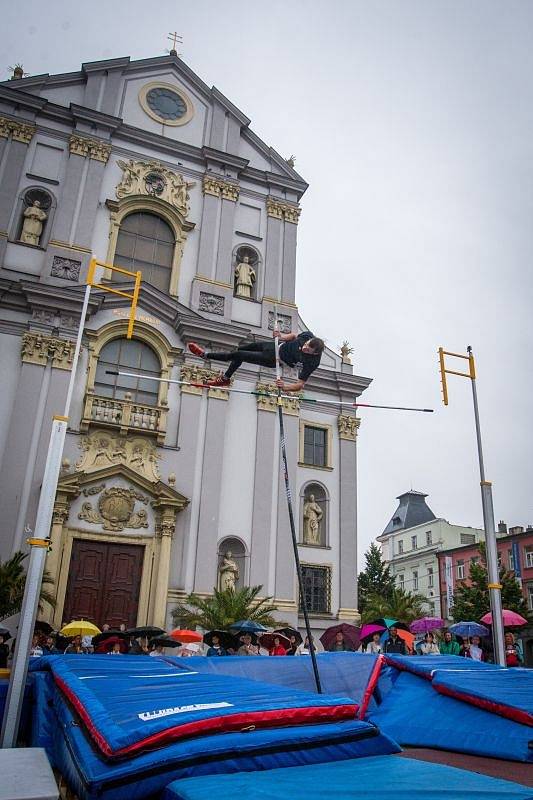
(510,618)
(185,636)
(266,640)
(349,632)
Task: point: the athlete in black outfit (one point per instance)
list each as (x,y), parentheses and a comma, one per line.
(303,350)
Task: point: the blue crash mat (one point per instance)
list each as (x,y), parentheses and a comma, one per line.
(426,665)
(351,675)
(415,715)
(508,692)
(378,778)
(93,777)
(128,708)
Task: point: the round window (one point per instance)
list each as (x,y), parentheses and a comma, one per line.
(166,103)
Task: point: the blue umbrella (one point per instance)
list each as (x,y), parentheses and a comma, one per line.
(469,629)
(247,626)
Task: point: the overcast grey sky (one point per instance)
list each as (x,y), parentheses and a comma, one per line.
(413,123)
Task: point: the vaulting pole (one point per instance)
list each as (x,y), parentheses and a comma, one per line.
(291,516)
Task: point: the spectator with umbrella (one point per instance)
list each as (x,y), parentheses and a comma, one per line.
(275,643)
(341,638)
(374,646)
(449,646)
(429,646)
(294,637)
(219,643)
(247,648)
(394,644)
(513,653)
(158,644)
(472,649)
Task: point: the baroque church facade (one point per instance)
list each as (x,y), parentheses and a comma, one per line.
(140,164)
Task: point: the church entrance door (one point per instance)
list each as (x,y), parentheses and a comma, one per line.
(104,583)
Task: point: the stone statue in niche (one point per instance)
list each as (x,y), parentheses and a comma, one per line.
(312,521)
(228,573)
(32,227)
(244,278)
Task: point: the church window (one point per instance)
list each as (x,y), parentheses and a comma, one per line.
(317,588)
(166,103)
(315,446)
(128,355)
(146,242)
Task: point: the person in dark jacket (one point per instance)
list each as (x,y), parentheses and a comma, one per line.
(4,653)
(394,644)
(216,648)
(303,350)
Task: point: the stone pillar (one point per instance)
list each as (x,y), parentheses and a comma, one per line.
(210,496)
(208,234)
(348,426)
(165,533)
(72,186)
(286,584)
(14,137)
(273,254)
(289,261)
(89,204)
(227,218)
(265,483)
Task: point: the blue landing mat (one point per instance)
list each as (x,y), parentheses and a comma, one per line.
(378,778)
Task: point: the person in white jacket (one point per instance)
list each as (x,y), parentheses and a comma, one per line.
(429,646)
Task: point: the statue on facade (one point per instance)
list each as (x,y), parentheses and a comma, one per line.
(312,518)
(32,228)
(228,573)
(244,278)
(346,352)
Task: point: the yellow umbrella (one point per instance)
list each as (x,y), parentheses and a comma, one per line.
(80,627)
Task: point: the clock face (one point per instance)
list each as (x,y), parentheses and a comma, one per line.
(166,104)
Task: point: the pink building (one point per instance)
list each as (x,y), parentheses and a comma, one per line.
(515,553)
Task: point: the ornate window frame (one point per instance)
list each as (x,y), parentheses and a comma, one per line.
(121,209)
(189,114)
(144,333)
(328,466)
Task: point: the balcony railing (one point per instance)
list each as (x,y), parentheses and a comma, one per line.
(126,415)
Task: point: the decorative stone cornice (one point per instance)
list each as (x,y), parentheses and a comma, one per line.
(91,148)
(280,210)
(291,406)
(195,374)
(39,349)
(220,188)
(19,131)
(348,427)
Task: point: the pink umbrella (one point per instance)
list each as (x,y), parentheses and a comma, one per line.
(509,618)
(369,629)
(426,624)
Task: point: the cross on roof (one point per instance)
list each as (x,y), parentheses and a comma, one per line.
(175,39)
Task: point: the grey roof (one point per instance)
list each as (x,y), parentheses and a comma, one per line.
(413,510)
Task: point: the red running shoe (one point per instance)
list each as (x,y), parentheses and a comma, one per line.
(196,349)
(220,380)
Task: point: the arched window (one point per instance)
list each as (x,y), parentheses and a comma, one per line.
(146,242)
(230,550)
(314,503)
(129,355)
